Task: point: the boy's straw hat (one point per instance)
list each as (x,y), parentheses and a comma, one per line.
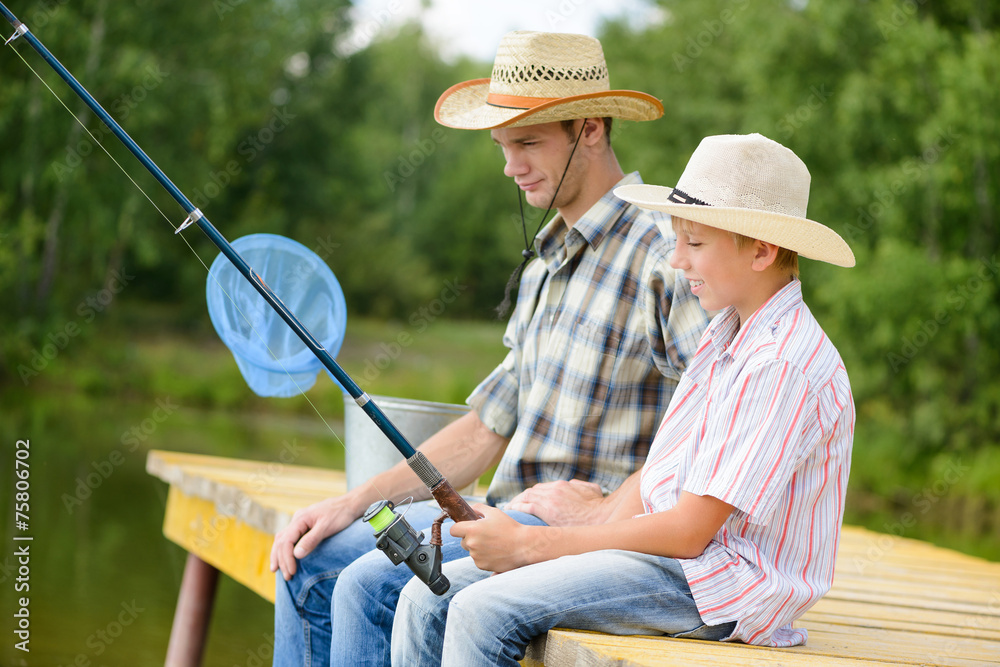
(750,185)
(541,77)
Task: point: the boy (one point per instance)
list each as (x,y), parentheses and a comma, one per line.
(730,530)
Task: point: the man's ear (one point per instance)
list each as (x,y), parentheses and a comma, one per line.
(593,131)
(764,255)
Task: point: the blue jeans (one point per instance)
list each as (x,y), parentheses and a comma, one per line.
(339,607)
(488,620)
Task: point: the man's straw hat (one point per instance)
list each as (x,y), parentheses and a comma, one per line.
(541,77)
(750,185)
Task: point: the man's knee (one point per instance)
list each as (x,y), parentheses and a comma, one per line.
(353,580)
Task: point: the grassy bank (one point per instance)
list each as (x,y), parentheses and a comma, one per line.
(134,358)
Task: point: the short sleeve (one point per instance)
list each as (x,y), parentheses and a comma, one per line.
(495,399)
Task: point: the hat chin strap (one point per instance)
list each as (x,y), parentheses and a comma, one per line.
(528,253)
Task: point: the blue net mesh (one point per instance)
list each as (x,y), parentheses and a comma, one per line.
(272,359)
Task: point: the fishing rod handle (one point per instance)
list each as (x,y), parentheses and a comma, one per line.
(450,500)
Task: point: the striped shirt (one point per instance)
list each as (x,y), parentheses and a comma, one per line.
(763,420)
(600,335)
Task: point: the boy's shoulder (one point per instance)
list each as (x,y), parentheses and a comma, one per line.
(798,339)
(791,334)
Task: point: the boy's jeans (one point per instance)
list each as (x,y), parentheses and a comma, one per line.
(339,607)
(488,620)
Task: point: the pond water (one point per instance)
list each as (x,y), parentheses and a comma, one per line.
(102,581)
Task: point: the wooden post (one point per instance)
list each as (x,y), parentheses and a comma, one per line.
(194,611)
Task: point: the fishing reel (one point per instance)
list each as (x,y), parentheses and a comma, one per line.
(396,538)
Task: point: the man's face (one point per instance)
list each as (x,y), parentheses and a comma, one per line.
(536,158)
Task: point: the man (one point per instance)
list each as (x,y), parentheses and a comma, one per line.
(730,530)
(600,333)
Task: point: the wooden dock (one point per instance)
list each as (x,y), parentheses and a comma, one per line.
(894,600)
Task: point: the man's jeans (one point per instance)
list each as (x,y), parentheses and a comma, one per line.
(488,620)
(338,609)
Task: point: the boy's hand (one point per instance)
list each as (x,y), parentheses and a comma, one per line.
(497,543)
(563,503)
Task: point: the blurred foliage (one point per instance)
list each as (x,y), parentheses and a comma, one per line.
(270,120)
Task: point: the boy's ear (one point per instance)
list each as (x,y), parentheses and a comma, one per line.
(764,255)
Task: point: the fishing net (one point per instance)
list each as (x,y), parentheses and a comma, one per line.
(272,359)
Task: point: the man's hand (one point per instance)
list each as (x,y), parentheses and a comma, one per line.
(498,543)
(309,526)
(572,503)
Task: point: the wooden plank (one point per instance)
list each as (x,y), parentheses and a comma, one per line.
(261,494)
(828,610)
(974,592)
(900,647)
(230,545)
(173,467)
(826,646)
(928,603)
(569,648)
(871,549)
(941,566)
(923,577)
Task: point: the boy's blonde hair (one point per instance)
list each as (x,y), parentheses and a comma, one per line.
(787,260)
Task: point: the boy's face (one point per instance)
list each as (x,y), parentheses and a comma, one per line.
(719,273)
(536,157)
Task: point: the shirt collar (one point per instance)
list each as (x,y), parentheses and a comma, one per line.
(592,227)
(723,330)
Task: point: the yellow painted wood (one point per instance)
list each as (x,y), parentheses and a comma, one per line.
(226,511)
(260,493)
(226,543)
(894,600)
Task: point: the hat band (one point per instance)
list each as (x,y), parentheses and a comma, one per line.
(516,101)
(684,198)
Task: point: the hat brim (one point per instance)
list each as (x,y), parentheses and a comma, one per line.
(464,106)
(808,238)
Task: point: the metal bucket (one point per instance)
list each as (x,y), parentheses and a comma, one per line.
(369,452)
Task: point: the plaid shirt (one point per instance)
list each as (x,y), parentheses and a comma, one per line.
(601,333)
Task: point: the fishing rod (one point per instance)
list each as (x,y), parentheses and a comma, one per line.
(390,527)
